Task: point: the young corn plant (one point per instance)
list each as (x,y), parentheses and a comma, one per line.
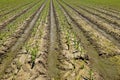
(77,45)
(33,56)
(33,52)
(27,47)
(75,42)
(91,75)
(68,39)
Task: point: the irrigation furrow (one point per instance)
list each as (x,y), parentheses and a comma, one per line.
(14,37)
(115,33)
(102,68)
(71,59)
(7,9)
(111,10)
(105,18)
(20,41)
(15,25)
(109,33)
(2,10)
(37,44)
(109,50)
(106,13)
(2,26)
(54,44)
(1,15)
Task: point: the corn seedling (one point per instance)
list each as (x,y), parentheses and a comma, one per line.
(91,75)
(82,67)
(33,56)
(68,39)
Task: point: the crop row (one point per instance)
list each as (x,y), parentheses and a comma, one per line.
(101,67)
(108,19)
(16,25)
(55,40)
(13,18)
(20,41)
(73,58)
(9,15)
(101,24)
(32,55)
(9,6)
(103,45)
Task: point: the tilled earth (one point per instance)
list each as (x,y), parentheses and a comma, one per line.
(61,41)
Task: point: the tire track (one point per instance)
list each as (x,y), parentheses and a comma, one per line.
(4,24)
(17,45)
(54,49)
(102,68)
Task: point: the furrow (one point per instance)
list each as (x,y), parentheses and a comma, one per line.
(20,41)
(54,44)
(107,43)
(106,13)
(14,37)
(4,24)
(72,58)
(114,11)
(102,68)
(115,33)
(14,9)
(105,18)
